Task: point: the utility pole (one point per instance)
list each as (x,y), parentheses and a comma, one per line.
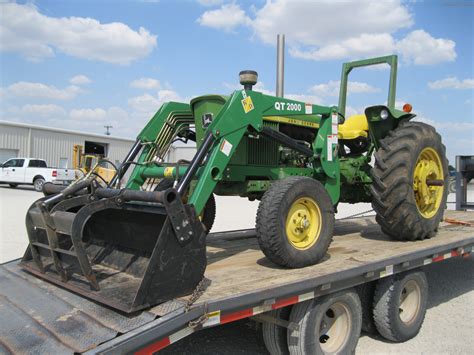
(107,133)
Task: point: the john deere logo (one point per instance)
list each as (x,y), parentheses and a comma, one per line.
(206,119)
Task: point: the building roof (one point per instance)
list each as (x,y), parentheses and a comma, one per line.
(60,130)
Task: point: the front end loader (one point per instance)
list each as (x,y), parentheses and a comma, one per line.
(141,240)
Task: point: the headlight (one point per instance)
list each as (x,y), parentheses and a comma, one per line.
(384,114)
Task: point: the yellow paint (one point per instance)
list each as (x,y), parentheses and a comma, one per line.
(169,172)
(428,167)
(303,223)
(354,126)
(293,121)
(247,104)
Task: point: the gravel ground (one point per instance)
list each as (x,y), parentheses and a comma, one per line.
(448,326)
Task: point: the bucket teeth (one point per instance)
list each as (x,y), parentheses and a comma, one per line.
(126,254)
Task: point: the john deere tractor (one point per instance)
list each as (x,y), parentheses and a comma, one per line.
(143,243)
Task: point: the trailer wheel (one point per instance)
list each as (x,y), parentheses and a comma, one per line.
(274,336)
(327,325)
(452,186)
(400,305)
(207,217)
(366,296)
(410,182)
(38,184)
(295,222)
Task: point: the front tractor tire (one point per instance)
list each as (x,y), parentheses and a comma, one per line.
(295,222)
(410,182)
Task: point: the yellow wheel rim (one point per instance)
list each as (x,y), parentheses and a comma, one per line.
(303,223)
(428,168)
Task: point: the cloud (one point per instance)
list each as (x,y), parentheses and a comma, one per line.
(329,30)
(48,110)
(451,83)
(151,103)
(80,80)
(88,114)
(317,23)
(227,17)
(26,31)
(145,83)
(41,91)
(419,47)
(453,126)
(366,45)
(331,88)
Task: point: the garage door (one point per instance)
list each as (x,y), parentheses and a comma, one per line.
(6,154)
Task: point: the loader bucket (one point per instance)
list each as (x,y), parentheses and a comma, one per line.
(126,249)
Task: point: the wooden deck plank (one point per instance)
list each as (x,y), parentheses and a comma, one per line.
(238,266)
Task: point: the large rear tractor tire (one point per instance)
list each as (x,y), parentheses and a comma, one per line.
(295,222)
(410,182)
(207,217)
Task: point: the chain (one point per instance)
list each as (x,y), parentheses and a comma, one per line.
(355,215)
(198,291)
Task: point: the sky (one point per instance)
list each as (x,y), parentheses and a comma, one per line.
(85,64)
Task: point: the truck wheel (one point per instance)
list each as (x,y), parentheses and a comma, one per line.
(400,305)
(295,222)
(275,336)
(207,217)
(408,167)
(328,325)
(13,185)
(38,184)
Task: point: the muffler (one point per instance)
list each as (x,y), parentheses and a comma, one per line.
(124,248)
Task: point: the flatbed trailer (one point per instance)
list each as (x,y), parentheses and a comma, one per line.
(40,317)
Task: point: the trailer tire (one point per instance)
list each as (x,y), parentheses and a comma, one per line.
(275,336)
(342,310)
(302,240)
(400,303)
(209,214)
(38,184)
(366,296)
(407,208)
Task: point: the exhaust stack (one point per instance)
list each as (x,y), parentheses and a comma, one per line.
(280,65)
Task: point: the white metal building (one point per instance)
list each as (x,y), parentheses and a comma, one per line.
(56,145)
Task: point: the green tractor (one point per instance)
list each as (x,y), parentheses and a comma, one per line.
(144,243)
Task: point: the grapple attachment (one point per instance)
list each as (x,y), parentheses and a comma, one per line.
(124,248)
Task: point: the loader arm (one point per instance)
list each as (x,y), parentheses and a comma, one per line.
(245,111)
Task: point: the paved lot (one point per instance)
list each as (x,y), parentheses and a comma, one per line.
(448,327)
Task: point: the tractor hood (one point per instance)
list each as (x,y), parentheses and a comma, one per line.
(205,109)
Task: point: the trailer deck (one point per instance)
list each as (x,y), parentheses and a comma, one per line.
(239,282)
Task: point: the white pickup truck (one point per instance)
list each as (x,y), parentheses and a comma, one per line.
(30,171)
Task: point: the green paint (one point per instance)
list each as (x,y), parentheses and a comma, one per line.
(242,162)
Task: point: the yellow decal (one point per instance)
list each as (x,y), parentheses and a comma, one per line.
(292,121)
(247,104)
(169,172)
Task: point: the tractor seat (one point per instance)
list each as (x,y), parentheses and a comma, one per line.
(354,127)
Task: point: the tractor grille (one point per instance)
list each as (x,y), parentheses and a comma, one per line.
(263,151)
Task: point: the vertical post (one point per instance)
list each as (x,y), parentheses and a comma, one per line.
(392,90)
(459,183)
(280,65)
